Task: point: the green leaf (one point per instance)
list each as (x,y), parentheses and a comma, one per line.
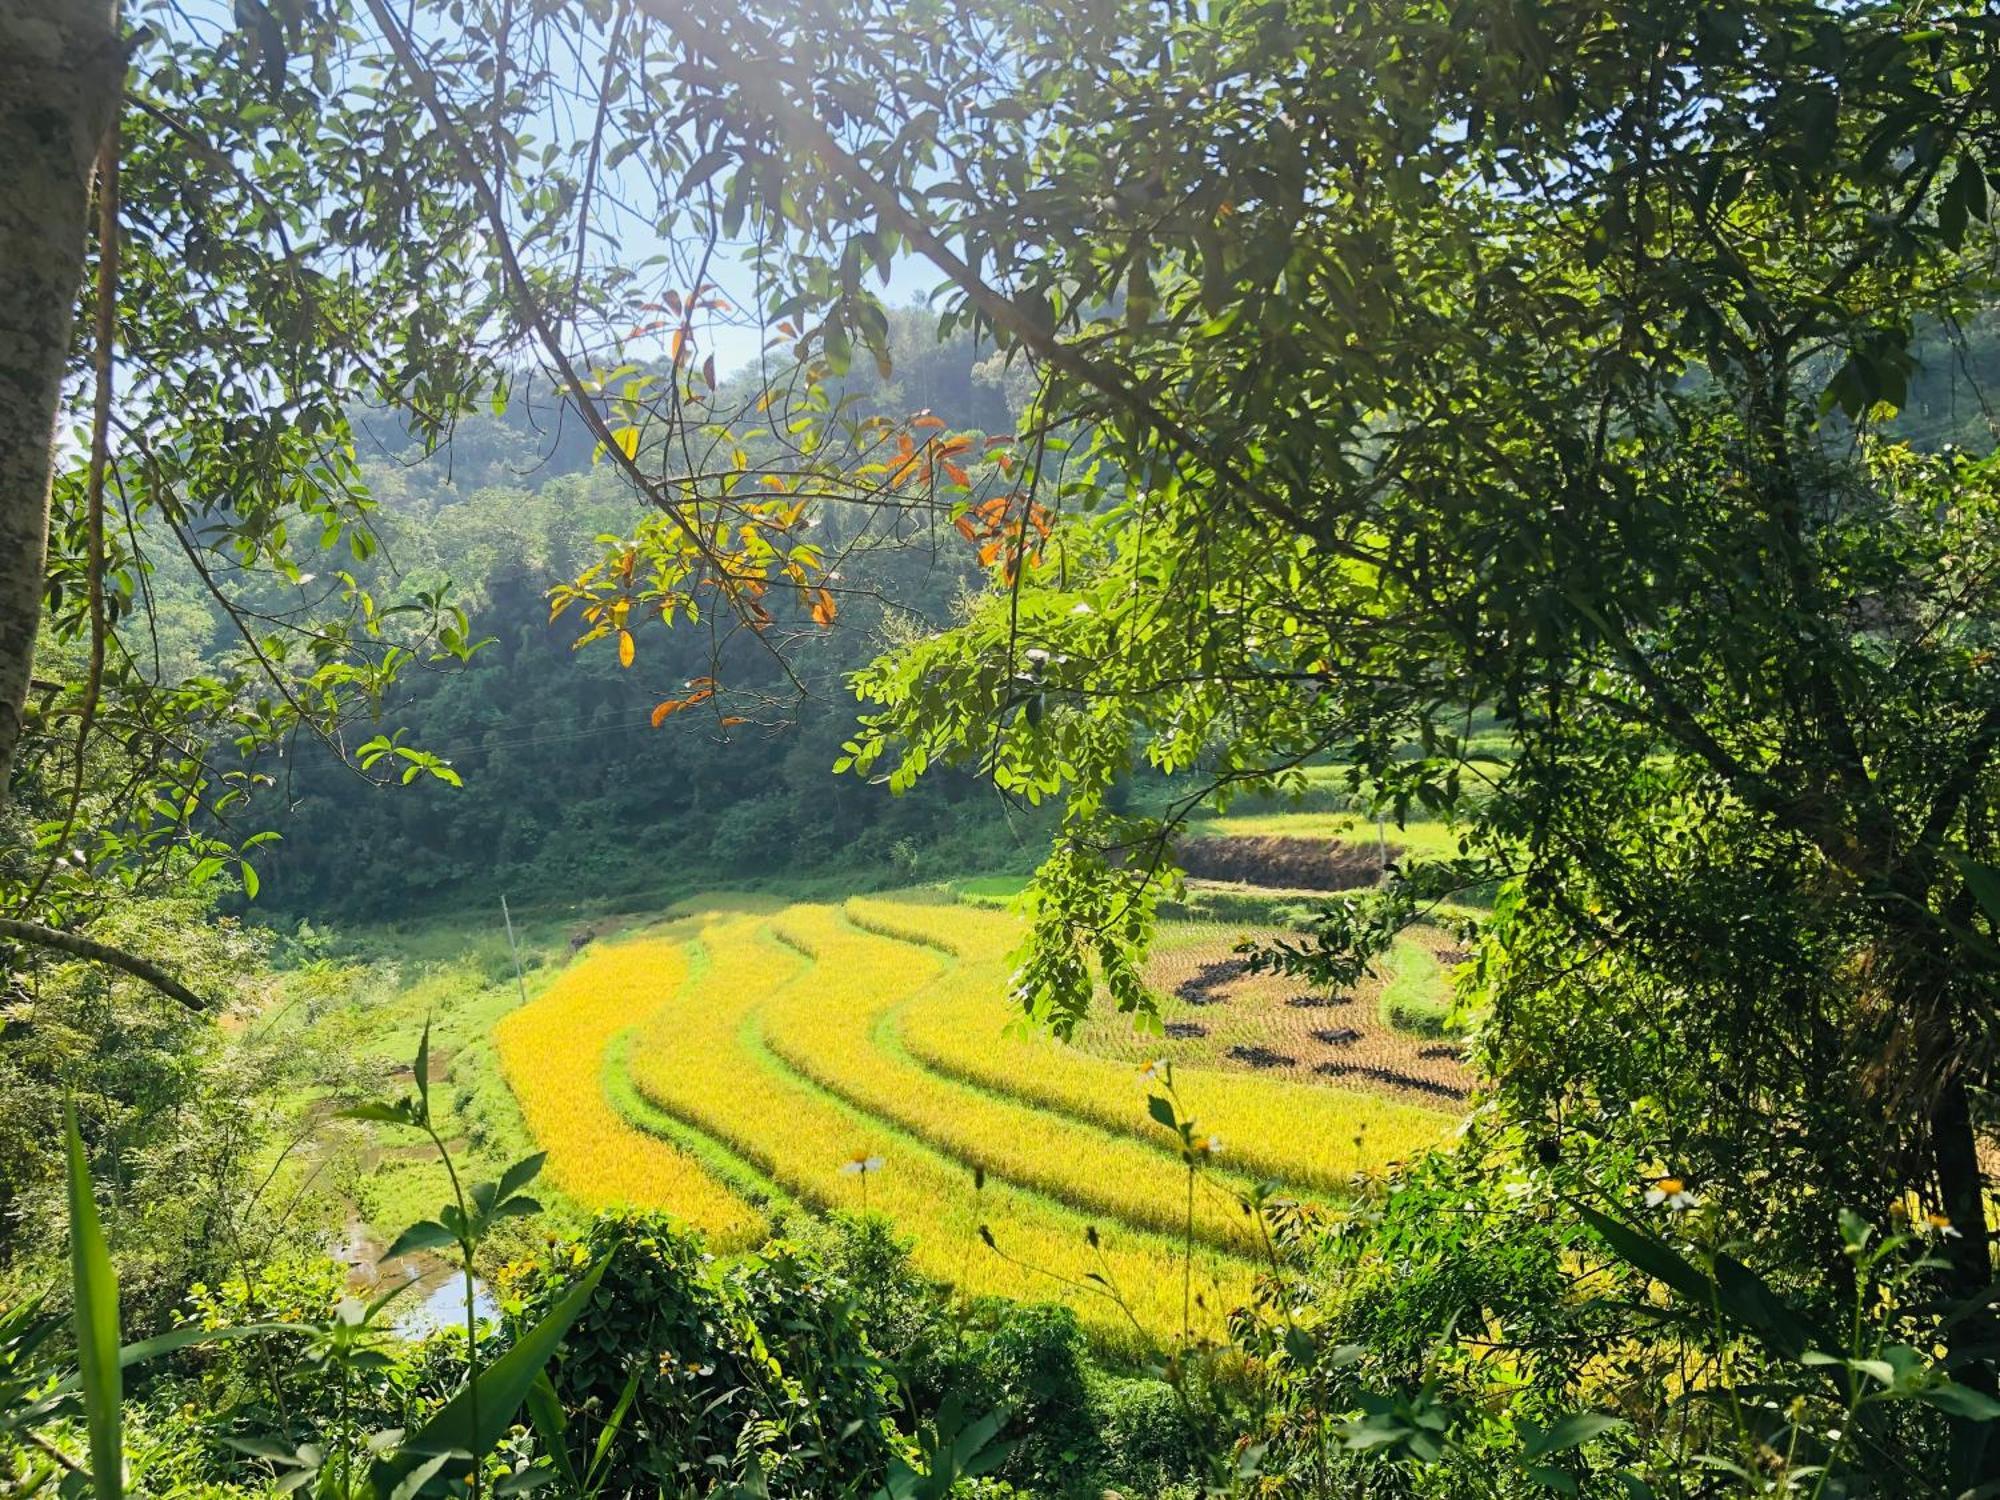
(1574,1430)
(521,1173)
(425,1234)
(1750,1301)
(423,1076)
(1650,1254)
(398,1113)
(1161,1109)
(501,1388)
(524,1480)
(1983,881)
(1960,1401)
(545,1413)
(612,1423)
(95,1288)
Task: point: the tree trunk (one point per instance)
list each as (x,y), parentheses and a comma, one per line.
(60,71)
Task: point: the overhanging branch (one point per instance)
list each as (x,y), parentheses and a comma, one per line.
(82,947)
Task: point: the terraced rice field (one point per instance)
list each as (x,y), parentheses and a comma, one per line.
(736,1062)
(552,1052)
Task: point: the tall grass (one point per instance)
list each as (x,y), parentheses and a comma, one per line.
(552,1051)
(847,1049)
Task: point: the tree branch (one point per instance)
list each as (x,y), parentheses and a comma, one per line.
(76,946)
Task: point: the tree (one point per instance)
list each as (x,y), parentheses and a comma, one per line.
(1483,358)
(279,216)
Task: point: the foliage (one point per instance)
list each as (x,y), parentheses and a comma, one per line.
(1511,1339)
(764,1368)
(1497,362)
(556,747)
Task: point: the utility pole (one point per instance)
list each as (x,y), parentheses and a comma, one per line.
(508,917)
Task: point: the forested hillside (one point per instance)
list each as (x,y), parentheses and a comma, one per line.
(569,790)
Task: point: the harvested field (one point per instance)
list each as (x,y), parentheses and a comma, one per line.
(1261,1023)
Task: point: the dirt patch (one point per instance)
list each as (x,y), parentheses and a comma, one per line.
(1290,863)
(440,1064)
(1393,1077)
(1442,1049)
(1451,958)
(1206,985)
(1336,1036)
(1261,1057)
(1185,1031)
(1318,1002)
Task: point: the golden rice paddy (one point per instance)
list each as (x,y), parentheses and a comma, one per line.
(856,1058)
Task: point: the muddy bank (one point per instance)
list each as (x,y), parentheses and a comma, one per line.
(1289,863)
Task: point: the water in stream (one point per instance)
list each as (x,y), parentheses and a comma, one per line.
(436,1289)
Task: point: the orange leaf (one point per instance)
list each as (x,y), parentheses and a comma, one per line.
(680,342)
(927,420)
(824,609)
(728,719)
(626,650)
(958,475)
(964,525)
(987,553)
(671,706)
(956,445)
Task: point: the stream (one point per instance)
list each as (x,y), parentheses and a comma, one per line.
(435,1297)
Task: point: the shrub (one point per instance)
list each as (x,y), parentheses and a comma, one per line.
(1149,1445)
(766,1367)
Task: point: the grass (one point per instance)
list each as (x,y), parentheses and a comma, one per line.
(727,1066)
(1417,998)
(1427,839)
(853,1051)
(354,1028)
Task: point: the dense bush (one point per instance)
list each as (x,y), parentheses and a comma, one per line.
(811,1362)
(764,1367)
